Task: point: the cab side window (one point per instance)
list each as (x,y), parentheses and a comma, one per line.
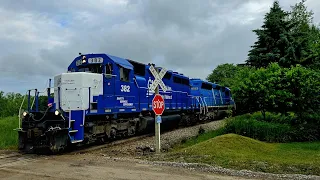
(124,74)
(108,69)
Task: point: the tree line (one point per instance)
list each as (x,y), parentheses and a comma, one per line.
(281,74)
(10,103)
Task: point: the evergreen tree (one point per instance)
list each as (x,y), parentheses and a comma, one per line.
(312,59)
(300,19)
(306,34)
(274,42)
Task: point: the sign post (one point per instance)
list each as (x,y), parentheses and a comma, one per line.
(158,104)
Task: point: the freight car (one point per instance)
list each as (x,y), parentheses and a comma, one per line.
(103,97)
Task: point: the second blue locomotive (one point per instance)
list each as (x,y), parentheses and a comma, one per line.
(103,97)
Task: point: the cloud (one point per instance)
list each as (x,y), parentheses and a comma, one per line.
(39,39)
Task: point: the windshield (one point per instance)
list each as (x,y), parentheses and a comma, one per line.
(96,68)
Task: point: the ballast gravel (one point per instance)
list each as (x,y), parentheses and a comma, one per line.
(167,139)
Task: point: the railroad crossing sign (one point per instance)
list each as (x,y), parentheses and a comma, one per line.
(158,79)
(158,104)
(157,101)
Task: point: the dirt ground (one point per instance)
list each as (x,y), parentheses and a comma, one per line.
(92,166)
(121,160)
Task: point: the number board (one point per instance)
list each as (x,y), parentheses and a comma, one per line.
(95,60)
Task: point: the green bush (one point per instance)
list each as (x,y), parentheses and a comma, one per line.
(275,127)
(307,132)
(289,118)
(261,130)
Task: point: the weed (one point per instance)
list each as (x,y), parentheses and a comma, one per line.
(8,136)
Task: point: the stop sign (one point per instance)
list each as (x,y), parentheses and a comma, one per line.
(158,104)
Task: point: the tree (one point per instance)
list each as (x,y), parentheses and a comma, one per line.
(312,59)
(274,42)
(300,16)
(289,38)
(306,35)
(243,95)
(223,74)
(303,83)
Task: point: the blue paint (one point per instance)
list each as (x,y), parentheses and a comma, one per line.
(122,62)
(132,95)
(77,125)
(210,93)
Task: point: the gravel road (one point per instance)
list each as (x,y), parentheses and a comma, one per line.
(123,161)
(89,166)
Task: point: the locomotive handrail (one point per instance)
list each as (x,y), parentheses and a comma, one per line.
(214,96)
(197,98)
(201,101)
(220,96)
(206,106)
(19,116)
(29,107)
(135,80)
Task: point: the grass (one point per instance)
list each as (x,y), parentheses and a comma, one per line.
(251,126)
(200,138)
(239,152)
(8,136)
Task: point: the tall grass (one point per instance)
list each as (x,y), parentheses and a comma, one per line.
(273,127)
(261,130)
(8,136)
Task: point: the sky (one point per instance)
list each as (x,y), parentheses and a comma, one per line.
(39,39)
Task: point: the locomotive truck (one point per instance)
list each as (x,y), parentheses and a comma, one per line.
(103,97)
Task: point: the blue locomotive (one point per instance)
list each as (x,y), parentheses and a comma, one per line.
(104,97)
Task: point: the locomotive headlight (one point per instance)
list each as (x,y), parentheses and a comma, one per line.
(24,114)
(56,112)
(83,59)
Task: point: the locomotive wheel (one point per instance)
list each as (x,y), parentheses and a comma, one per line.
(113,133)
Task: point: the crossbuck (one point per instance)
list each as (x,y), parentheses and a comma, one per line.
(158,79)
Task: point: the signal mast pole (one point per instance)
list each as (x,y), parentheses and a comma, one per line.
(158,103)
(157,125)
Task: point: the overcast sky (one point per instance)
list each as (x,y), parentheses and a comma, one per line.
(39,38)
